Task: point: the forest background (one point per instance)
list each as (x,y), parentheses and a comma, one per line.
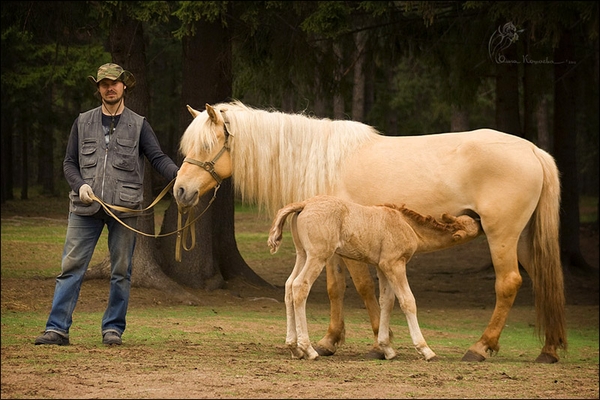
(406,68)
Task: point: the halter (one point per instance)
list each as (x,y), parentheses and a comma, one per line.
(209,166)
(189,228)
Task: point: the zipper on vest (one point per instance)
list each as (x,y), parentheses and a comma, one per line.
(104,171)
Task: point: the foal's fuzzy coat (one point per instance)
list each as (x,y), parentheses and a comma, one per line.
(386,236)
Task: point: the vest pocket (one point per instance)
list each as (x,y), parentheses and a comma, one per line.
(87,155)
(129,194)
(125,157)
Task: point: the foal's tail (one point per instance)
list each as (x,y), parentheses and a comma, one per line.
(276,233)
(548,280)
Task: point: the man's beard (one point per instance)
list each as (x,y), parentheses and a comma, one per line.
(113,102)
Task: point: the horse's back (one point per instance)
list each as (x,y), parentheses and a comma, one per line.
(481,171)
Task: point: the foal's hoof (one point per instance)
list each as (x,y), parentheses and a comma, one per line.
(433,359)
(323,351)
(471,356)
(546,358)
(375,354)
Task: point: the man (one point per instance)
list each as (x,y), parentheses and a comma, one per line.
(104,159)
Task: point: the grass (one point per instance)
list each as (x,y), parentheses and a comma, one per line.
(244,341)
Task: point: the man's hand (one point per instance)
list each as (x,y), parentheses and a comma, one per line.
(86,194)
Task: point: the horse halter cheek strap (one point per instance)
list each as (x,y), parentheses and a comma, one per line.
(209,166)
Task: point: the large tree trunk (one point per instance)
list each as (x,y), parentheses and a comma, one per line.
(7,153)
(215,258)
(45,150)
(459,119)
(358,88)
(507,94)
(338,96)
(565,151)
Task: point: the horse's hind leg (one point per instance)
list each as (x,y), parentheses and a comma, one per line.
(336,288)
(366,289)
(508,282)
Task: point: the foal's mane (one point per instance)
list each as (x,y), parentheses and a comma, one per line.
(426,220)
(279,158)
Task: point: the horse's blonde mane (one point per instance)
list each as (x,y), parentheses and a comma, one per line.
(280,158)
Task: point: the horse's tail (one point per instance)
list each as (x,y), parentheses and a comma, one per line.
(546,267)
(276,232)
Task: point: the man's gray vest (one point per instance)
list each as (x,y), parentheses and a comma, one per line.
(115,172)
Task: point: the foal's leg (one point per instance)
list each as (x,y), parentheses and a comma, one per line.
(301,289)
(291,339)
(396,274)
(386,302)
(336,286)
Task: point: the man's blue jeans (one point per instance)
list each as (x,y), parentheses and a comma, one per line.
(82,236)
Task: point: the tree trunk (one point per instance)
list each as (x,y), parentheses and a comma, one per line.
(543,131)
(459,120)
(358,88)
(215,258)
(45,150)
(507,94)
(7,153)
(565,151)
(528,94)
(338,96)
(25,160)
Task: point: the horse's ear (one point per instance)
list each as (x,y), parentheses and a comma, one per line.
(459,235)
(194,113)
(448,218)
(212,113)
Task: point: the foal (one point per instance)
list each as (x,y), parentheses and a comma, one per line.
(386,236)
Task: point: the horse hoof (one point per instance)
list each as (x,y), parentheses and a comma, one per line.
(471,356)
(433,359)
(323,351)
(375,354)
(546,358)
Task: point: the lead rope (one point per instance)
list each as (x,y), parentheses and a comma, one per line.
(188,229)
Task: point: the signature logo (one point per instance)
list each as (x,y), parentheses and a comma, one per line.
(501,40)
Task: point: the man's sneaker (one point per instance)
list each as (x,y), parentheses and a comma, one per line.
(111,337)
(50,337)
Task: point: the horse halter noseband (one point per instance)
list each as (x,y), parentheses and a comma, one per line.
(209,166)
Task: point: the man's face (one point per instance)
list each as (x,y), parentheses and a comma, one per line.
(111,91)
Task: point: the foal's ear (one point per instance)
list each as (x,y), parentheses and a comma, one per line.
(448,218)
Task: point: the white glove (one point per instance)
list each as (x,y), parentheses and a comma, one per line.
(85,194)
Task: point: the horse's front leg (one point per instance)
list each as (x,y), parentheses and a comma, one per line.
(366,289)
(336,288)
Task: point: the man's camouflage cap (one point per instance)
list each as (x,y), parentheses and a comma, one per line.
(113,72)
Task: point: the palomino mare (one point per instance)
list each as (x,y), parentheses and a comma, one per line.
(386,236)
(511,185)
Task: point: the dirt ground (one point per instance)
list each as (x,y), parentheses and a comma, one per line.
(215,369)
